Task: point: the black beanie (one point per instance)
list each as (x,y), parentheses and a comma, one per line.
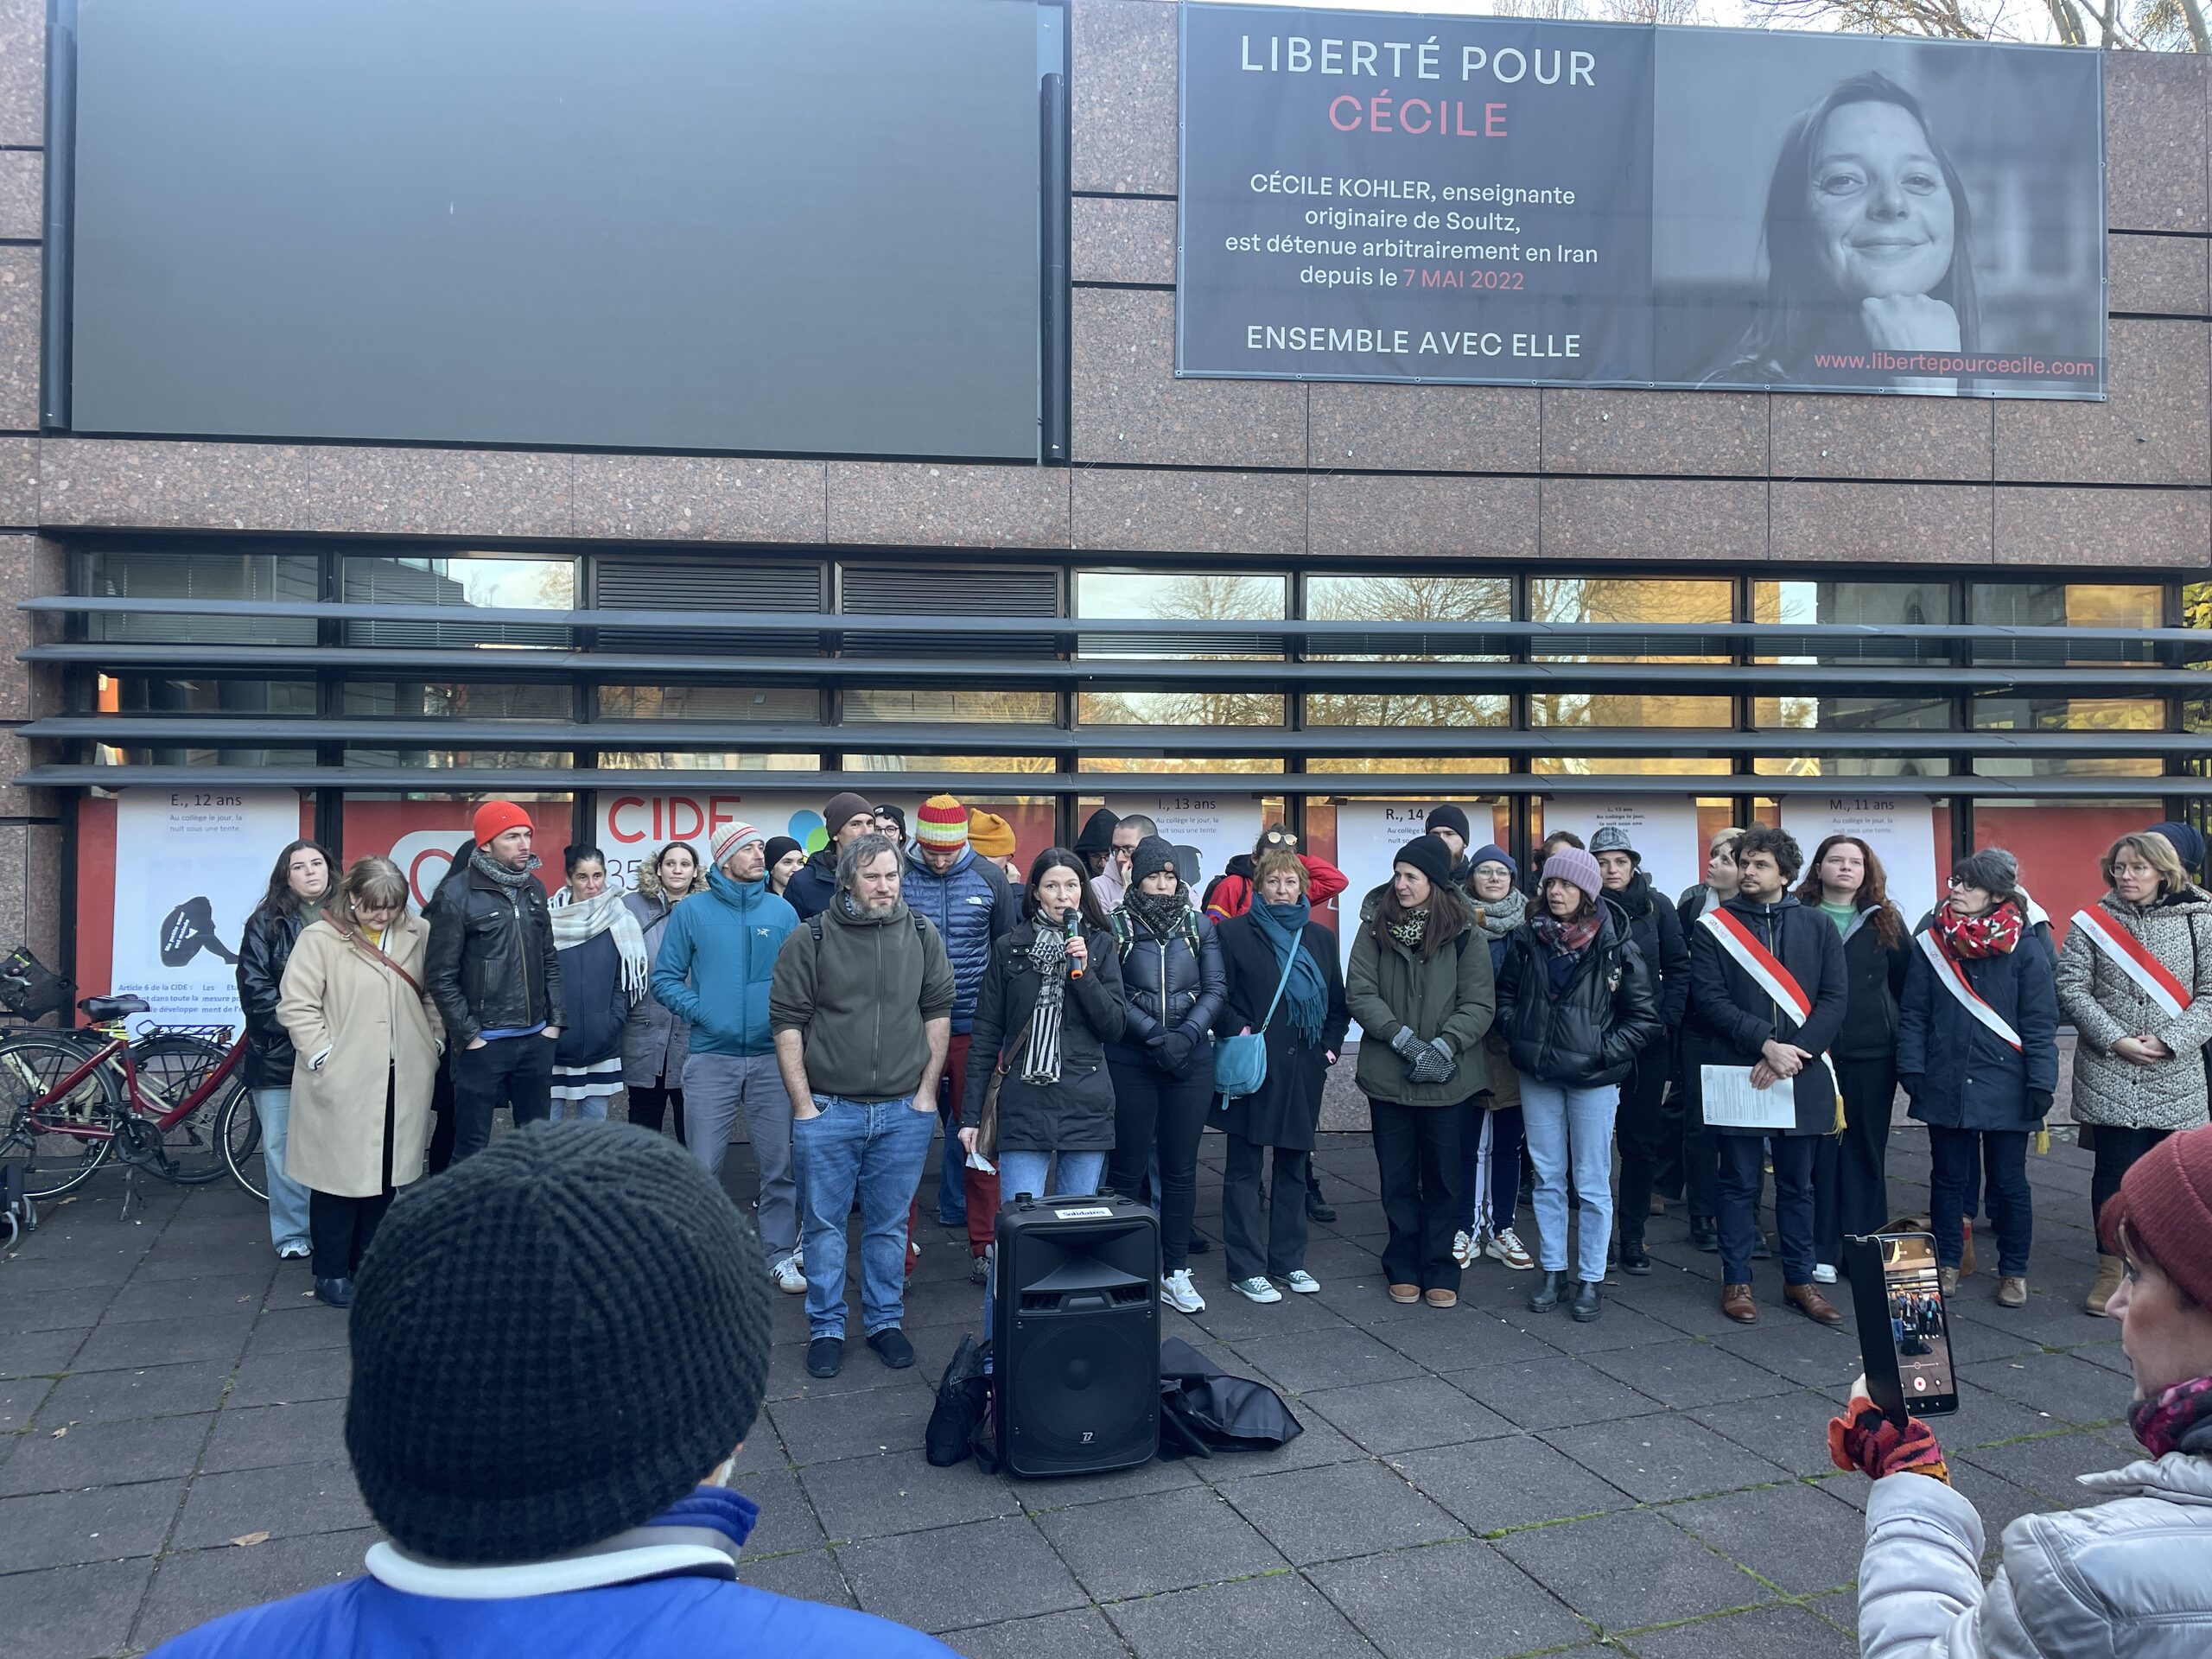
(1452,818)
(778,848)
(553,1341)
(1097,832)
(1430,856)
(1153,854)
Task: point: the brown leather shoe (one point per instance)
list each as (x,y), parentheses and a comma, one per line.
(1441,1298)
(1405,1293)
(1808,1300)
(1736,1302)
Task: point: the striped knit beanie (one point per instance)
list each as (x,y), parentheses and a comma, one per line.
(942,823)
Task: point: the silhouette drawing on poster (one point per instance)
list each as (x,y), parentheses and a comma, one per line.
(188,930)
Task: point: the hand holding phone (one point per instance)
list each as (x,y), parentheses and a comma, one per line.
(1904,1330)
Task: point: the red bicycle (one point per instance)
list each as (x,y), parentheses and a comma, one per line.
(161,1101)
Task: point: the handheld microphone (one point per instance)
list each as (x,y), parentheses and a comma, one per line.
(1073,927)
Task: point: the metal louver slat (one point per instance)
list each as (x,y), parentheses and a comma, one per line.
(730,581)
(950,591)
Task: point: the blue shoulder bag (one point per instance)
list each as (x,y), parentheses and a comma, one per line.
(1240,1064)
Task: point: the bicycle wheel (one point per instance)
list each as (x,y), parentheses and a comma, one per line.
(59,1145)
(171,1065)
(238,1131)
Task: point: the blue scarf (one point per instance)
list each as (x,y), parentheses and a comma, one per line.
(1305,996)
(716,1507)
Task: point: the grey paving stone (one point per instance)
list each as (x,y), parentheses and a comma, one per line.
(1471,1339)
(1687,1374)
(1084,1635)
(1159,1474)
(20,1399)
(913,1578)
(284,1379)
(284,1501)
(1983,1418)
(2107,1354)
(26,1310)
(1555,1392)
(1493,1485)
(2053,1317)
(1411,1412)
(42,1353)
(1461,1598)
(898,1492)
(1161,1540)
(2046,1467)
(1763,1633)
(196,1586)
(1668,1456)
(289,1331)
(1327,1358)
(1790,1429)
(109,1523)
(176,1298)
(1619,1326)
(2069,1389)
(74,1457)
(153,1391)
(1631,1569)
(1792,1346)
(1797,1536)
(787,1521)
(72,1612)
(863,1374)
(141,1342)
(1259,1618)
(811,1575)
(1321,1514)
(261,1437)
(821,1427)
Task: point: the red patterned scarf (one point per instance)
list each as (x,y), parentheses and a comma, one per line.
(1993,933)
(2164,1419)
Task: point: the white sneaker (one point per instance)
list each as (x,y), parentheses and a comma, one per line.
(1180,1293)
(1302,1281)
(790,1277)
(1504,1246)
(1259,1290)
(1466,1248)
(1823,1274)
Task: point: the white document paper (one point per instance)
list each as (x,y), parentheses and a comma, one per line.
(1730,1101)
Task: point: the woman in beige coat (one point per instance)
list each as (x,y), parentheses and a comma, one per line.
(367,1038)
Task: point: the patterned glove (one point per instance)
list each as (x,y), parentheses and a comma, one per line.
(1874,1445)
(1405,1042)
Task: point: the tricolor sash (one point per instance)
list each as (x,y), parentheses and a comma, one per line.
(1953,979)
(1755,959)
(2128,954)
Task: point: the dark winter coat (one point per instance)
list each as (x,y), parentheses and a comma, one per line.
(1961,1074)
(656,1039)
(267,946)
(1730,1016)
(597,1006)
(1590,1032)
(1077,1113)
(1166,989)
(1449,995)
(1657,931)
(813,884)
(1285,1109)
(1875,974)
(970,906)
(492,963)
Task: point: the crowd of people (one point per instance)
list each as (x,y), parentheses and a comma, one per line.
(1078,1022)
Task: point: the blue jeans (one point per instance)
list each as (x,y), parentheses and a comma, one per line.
(876,1148)
(1954,1155)
(591,1111)
(288,1200)
(1029,1172)
(1571,1125)
(1742,1158)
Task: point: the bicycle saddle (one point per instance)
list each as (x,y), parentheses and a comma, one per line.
(112,1008)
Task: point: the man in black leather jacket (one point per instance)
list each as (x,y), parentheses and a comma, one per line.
(1643,1128)
(495,975)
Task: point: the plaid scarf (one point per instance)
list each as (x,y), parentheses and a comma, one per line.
(1568,938)
(2165,1419)
(1993,933)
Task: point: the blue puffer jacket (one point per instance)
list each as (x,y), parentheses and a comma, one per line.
(1961,1074)
(970,905)
(716,962)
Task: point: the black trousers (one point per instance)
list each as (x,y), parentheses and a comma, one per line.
(2117,1151)
(1417,1151)
(1850,1187)
(1278,1249)
(339,1228)
(438,1158)
(1666,1179)
(514,1072)
(1639,1129)
(648,1107)
(1153,1110)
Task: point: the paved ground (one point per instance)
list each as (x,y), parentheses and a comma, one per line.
(1479,1482)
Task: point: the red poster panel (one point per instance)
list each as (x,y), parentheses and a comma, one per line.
(2059,844)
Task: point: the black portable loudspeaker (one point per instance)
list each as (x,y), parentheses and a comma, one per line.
(1076,1334)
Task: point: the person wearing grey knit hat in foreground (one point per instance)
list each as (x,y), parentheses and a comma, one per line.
(559,1347)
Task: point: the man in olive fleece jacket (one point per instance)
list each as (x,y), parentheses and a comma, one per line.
(861,1009)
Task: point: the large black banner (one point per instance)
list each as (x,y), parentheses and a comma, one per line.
(1377,196)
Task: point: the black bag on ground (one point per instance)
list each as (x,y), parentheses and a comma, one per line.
(1203,1410)
(963,1408)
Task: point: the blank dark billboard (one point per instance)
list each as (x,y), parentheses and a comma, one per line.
(808,226)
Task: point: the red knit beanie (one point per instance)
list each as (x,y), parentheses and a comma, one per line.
(942,823)
(2166,1200)
(495,818)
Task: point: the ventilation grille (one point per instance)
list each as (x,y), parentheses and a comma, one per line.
(951,591)
(724,581)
